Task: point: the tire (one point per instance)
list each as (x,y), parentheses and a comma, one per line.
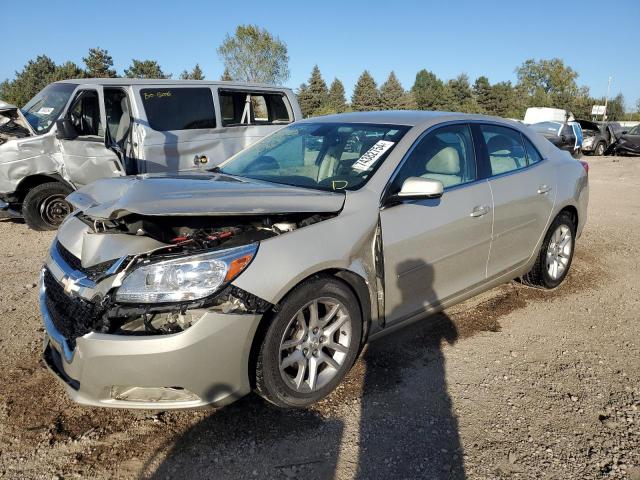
(293,386)
(599,150)
(542,274)
(44,207)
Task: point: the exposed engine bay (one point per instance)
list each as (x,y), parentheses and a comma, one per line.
(181,236)
(11,126)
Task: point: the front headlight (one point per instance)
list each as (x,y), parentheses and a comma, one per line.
(186,278)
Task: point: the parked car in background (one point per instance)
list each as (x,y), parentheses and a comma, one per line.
(274,269)
(628,143)
(76,131)
(597,137)
(565,136)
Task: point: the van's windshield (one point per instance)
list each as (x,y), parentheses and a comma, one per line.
(45,108)
(324,156)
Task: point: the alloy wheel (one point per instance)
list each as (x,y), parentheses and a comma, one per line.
(315,344)
(559,252)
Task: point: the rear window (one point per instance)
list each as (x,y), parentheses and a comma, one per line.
(253,108)
(178,108)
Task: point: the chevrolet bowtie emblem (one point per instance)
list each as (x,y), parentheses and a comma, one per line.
(69,285)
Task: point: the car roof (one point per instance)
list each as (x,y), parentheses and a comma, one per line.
(166,82)
(410,118)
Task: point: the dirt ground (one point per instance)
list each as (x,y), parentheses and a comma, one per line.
(517,383)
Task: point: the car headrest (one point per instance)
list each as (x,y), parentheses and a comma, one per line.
(124,105)
(499,144)
(446,162)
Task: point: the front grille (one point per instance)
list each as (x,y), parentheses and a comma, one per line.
(72,316)
(92,272)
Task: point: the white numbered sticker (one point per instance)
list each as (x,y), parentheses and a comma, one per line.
(45,111)
(366,161)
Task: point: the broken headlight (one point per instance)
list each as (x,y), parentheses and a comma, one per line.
(186,278)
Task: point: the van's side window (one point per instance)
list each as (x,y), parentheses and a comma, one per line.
(253,108)
(178,108)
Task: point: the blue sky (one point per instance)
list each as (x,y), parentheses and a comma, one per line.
(343,37)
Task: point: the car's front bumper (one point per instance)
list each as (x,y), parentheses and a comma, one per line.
(207,364)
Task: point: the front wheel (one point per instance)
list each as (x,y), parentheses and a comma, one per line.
(599,150)
(556,254)
(44,207)
(310,345)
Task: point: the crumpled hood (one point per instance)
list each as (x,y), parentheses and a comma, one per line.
(198,194)
(11,112)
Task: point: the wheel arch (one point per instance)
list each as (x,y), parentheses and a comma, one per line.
(32,181)
(573,211)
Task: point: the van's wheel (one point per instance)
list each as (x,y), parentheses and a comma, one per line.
(556,254)
(44,207)
(310,345)
(599,150)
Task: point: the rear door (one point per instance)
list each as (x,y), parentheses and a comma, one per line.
(86,157)
(437,248)
(523,187)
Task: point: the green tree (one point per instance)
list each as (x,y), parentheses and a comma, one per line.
(638,106)
(365,94)
(392,94)
(482,93)
(429,91)
(98,63)
(226,76)
(145,69)
(461,95)
(616,108)
(252,54)
(195,74)
(34,76)
(67,71)
(315,96)
(337,101)
(548,83)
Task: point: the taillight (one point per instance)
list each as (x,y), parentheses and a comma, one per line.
(585,165)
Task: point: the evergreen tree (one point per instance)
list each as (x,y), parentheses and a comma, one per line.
(392,95)
(429,91)
(226,76)
(148,69)
(337,101)
(461,95)
(316,96)
(195,74)
(35,75)
(67,71)
(99,63)
(482,91)
(365,94)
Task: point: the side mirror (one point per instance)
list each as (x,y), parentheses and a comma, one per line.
(418,188)
(65,129)
(624,132)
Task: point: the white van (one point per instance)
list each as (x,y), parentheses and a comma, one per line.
(76,131)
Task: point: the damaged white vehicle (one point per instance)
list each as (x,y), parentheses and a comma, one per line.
(272,271)
(76,131)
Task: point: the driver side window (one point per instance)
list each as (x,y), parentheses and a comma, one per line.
(84,114)
(445,154)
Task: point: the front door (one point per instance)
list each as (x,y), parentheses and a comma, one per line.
(435,249)
(86,157)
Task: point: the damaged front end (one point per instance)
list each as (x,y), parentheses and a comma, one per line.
(13,125)
(186,269)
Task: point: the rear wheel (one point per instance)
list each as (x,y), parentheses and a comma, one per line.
(44,207)
(556,254)
(599,150)
(310,345)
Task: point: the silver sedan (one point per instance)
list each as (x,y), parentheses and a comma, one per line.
(271,271)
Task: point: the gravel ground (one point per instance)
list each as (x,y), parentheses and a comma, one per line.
(516,383)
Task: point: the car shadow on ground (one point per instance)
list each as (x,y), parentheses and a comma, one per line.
(392,418)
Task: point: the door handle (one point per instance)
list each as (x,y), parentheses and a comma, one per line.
(542,189)
(480,211)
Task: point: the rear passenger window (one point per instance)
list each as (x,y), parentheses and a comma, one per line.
(253,108)
(505,149)
(446,155)
(532,152)
(178,108)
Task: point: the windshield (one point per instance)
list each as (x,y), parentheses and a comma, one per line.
(44,109)
(635,130)
(326,156)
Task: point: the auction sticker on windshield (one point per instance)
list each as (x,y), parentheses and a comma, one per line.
(366,161)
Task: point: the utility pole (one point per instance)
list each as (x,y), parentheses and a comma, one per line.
(606,99)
